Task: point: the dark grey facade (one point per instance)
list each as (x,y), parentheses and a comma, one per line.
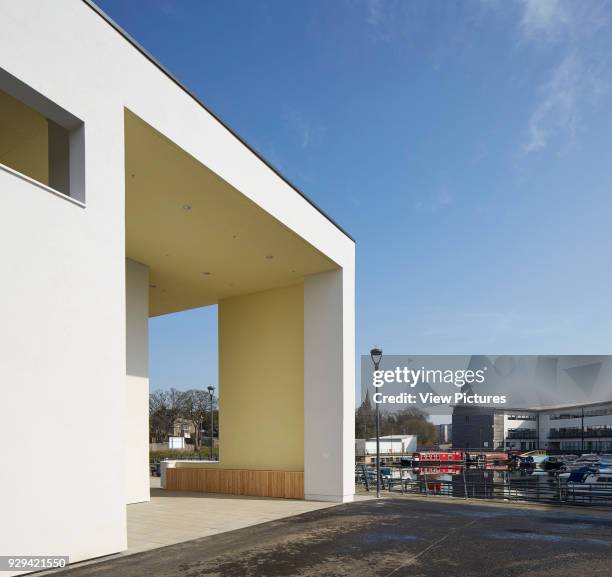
(474,428)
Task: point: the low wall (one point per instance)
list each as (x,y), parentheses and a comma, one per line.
(166,447)
(282,484)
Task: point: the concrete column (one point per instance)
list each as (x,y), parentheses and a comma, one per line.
(329,386)
(137,382)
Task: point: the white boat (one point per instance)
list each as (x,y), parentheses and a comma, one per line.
(395,474)
(586,460)
(535,457)
(570,458)
(601,468)
(596,484)
(605,460)
(579,474)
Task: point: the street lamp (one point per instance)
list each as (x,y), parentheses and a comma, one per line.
(376,355)
(211,390)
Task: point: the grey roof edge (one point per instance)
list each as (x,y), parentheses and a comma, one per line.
(163,69)
(542,408)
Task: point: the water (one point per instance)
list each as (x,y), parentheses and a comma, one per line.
(493,482)
(483,483)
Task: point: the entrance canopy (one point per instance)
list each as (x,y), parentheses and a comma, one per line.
(202,240)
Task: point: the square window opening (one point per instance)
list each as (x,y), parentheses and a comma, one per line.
(41,140)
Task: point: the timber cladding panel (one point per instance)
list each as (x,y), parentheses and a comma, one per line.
(283,484)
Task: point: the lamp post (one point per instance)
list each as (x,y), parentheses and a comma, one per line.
(211,390)
(376,355)
(582,430)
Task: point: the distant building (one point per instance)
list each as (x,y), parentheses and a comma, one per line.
(444,434)
(392,444)
(183,428)
(477,428)
(391,447)
(176,442)
(567,428)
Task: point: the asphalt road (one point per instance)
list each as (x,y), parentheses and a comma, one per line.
(390,538)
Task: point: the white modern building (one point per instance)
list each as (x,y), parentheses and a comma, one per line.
(567,428)
(562,428)
(123,197)
(520,430)
(390,446)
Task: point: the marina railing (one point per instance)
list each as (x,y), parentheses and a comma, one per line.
(551,490)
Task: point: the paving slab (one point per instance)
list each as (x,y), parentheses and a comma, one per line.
(175,516)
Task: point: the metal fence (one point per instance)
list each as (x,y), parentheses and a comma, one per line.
(552,490)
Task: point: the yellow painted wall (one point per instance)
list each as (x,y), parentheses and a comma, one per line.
(261,380)
(24,141)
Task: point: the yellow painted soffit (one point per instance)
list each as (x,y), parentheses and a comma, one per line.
(202,239)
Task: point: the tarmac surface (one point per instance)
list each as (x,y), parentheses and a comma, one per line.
(392,537)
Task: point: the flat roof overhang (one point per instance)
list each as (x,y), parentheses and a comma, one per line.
(201,238)
(184,88)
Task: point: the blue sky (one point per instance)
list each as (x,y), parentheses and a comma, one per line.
(465,145)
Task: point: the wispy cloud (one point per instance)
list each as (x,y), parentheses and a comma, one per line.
(384,18)
(576,79)
(569,35)
(436,201)
(375,15)
(557,109)
(306,130)
(544,19)
(167,7)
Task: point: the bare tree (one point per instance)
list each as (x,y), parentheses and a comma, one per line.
(364,419)
(195,406)
(164,408)
(407,422)
(157,416)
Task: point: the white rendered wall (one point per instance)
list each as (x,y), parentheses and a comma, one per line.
(329,387)
(62,488)
(62,334)
(518,424)
(47,31)
(63,292)
(522,424)
(137,382)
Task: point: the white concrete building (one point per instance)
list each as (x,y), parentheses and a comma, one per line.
(123,197)
(520,430)
(390,445)
(566,428)
(575,428)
